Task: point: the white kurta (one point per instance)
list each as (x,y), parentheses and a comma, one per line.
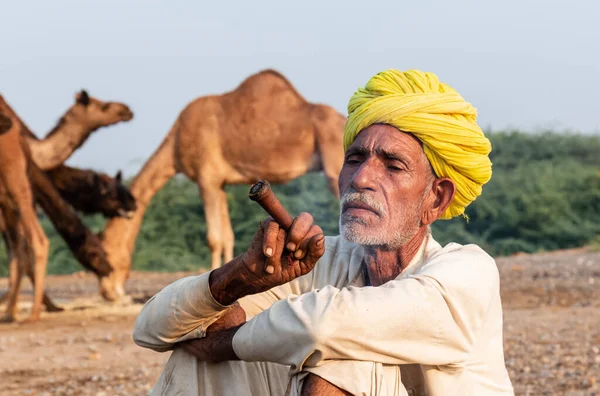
(436,329)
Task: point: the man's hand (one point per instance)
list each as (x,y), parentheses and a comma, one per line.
(275,257)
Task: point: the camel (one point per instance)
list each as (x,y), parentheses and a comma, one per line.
(88,192)
(29,244)
(86,116)
(263,129)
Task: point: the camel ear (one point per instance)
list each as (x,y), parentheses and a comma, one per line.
(119,176)
(83,98)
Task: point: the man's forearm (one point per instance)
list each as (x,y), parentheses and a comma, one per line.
(182,310)
(215,347)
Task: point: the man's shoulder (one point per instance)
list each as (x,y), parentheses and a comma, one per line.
(465,262)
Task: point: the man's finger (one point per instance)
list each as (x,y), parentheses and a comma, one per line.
(273,263)
(303,249)
(271,230)
(316,249)
(298,231)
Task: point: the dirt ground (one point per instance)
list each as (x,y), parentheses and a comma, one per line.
(551,313)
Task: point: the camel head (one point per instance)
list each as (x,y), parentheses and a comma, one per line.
(112,286)
(112,198)
(95,113)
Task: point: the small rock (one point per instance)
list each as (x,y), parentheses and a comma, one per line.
(586,383)
(94,356)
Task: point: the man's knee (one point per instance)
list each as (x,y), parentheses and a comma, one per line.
(315,385)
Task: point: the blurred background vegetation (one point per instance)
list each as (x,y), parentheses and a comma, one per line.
(544,195)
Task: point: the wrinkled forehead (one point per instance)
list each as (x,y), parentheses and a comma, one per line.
(388,138)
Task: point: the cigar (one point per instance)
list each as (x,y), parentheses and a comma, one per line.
(261,193)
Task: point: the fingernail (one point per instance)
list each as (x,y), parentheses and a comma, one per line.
(298,253)
(320,242)
(291,246)
(269,252)
(270,269)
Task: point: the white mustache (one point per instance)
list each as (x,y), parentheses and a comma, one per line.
(365,199)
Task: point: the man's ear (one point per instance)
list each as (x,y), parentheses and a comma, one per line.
(443,190)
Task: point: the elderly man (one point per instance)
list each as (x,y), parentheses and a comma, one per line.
(382,309)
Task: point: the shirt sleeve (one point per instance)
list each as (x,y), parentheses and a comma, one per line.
(431,317)
(186,308)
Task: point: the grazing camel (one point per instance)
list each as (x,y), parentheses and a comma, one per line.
(28,243)
(99,191)
(92,192)
(263,129)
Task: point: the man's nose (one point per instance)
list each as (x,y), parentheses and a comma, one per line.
(365,177)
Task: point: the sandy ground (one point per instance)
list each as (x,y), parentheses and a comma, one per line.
(551,311)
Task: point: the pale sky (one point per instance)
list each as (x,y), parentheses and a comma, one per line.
(526,64)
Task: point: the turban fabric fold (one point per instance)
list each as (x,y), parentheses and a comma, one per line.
(418,103)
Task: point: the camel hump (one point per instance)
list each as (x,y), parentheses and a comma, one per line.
(268,79)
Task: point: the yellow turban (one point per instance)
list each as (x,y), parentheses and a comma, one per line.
(418,103)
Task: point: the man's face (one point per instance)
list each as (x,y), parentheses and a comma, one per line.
(383,185)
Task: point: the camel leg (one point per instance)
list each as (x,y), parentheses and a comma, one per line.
(12,275)
(14,286)
(212,197)
(331,149)
(40,247)
(227,235)
(331,167)
(47,301)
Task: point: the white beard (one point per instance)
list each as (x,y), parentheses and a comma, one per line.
(357,230)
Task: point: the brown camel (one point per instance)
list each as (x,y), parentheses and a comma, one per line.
(29,244)
(88,192)
(264,129)
(85,116)
(85,190)
(92,192)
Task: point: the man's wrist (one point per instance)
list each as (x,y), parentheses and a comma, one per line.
(228,284)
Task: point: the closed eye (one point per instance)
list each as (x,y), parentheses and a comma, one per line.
(395,168)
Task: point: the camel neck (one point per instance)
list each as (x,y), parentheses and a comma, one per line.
(58,146)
